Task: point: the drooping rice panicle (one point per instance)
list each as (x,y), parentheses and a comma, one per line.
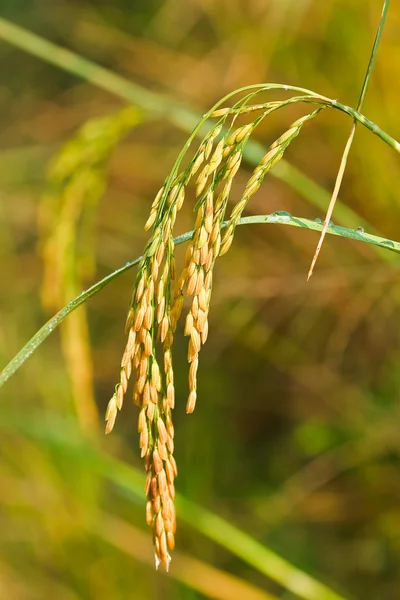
(149,322)
(156,307)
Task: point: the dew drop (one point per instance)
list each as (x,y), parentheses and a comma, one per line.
(283,215)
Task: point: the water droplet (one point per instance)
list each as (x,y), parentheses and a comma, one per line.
(283,215)
(319,221)
(388,243)
(360,229)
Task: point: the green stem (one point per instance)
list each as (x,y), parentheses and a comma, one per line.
(346,151)
(374,52)
(280,218)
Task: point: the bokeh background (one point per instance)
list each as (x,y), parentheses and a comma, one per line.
(295,435)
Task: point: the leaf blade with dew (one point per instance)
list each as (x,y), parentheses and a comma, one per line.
(51,325)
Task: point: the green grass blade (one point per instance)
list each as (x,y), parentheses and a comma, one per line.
(282,218)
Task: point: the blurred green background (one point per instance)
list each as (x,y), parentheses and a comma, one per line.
(295,435)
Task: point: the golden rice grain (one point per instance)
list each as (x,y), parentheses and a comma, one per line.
(191,403)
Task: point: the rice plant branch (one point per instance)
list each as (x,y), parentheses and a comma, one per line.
(343,162)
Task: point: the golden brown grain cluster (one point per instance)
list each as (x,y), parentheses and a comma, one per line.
(158,298)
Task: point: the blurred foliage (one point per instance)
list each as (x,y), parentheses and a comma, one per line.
(76,182)
(295,435)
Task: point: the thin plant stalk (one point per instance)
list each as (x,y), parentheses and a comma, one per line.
(350,139)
